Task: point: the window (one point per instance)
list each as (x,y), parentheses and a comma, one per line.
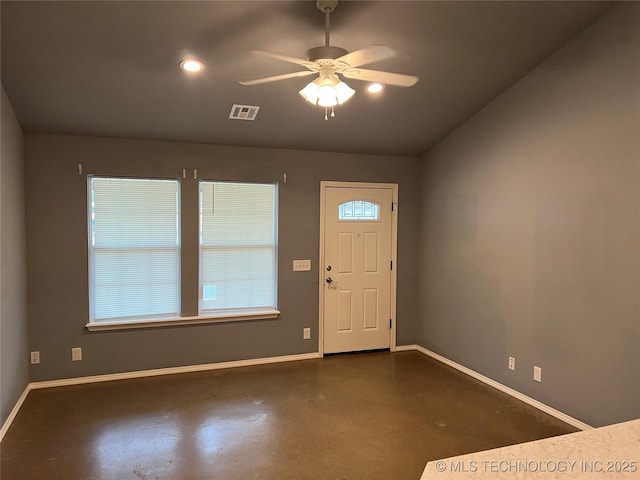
(135,255)
(358,210)
(237,247)
(134,249)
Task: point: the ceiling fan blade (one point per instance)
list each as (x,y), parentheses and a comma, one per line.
(364,56)
(275,78)
(378,76)
(284,58)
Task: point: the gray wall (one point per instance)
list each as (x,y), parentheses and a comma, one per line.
(57,249)
(530,230)
(14,353)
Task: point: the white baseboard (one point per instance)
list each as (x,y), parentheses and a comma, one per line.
(14,412)
(503,388)
(172,370)
(148,373)
(406,348)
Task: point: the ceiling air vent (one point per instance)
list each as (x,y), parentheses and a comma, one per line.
(243,112)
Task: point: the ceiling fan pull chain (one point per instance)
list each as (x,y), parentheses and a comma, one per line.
(325,113)
(333,113)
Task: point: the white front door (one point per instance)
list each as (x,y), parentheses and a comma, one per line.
(357,269)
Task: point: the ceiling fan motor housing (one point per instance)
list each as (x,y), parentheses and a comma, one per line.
(327,51)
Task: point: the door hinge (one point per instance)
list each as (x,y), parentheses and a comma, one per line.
(390,323)
(392,206)
(391,264)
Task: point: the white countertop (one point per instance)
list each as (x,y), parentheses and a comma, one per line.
(610,453)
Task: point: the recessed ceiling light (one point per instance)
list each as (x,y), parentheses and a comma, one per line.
(191,65)
(375,88)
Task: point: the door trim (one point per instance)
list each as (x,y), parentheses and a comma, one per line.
(394,255)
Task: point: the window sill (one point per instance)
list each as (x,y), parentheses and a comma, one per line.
(172,322)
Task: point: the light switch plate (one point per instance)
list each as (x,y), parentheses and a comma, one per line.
(537,374)
(301,265)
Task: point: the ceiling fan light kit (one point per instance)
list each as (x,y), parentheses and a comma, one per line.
(328,90)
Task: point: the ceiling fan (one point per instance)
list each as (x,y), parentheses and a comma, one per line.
(328,61)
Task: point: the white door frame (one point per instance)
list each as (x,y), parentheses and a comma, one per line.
(394,255)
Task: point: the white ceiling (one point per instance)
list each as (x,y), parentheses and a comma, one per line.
(111,68)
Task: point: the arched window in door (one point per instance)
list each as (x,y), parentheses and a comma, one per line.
(358,210)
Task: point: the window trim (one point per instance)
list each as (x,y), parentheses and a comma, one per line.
(235,316)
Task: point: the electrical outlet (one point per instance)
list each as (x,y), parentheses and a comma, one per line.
(537,374)
(35,358)
(512,363)
(301,265)
(306,333)
(76,354)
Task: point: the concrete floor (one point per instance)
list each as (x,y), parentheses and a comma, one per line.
(366,416)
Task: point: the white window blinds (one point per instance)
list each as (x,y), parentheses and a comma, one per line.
(134,245)
(237,246)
